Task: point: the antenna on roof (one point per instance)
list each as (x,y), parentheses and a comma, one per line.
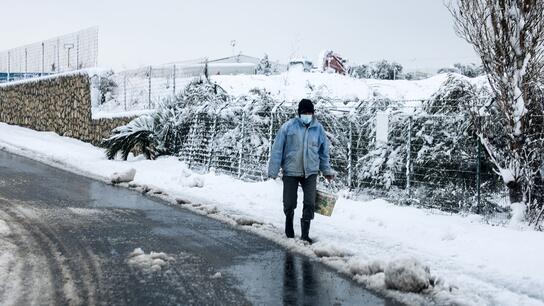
(233,45)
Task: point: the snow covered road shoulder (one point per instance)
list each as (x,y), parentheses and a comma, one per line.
(470,262)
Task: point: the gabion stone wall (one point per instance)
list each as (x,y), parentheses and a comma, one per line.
(60,104)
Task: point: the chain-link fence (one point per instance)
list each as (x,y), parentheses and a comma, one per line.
(64,53)
(432,159)
(145,88)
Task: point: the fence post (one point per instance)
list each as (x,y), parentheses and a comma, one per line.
(478,165)
(241,149)
(192,139)
(270,134)
(26,63)
(43,58)
(125,90)
(9,66)
(211,143)
(174,82)
(409,156)
(149,88)
(350,162)
(77,52)
(58,55)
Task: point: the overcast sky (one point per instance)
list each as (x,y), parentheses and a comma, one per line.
(416,33)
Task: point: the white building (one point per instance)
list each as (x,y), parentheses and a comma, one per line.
(232,65)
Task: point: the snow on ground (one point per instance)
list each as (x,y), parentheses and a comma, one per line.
(470,262)
(9,263)
(293,86)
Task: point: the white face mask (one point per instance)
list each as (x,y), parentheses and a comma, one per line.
(306,118)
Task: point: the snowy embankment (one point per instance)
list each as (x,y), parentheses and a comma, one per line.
(464,260)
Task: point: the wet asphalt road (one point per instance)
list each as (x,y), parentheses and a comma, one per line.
(74,237)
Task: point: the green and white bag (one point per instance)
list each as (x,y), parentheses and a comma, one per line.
(325,202)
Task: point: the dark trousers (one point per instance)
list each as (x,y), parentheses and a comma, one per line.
(290,188)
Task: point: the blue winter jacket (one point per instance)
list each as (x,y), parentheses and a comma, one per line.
(300,150)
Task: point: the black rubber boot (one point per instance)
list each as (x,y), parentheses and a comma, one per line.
(305,229)
(289,231)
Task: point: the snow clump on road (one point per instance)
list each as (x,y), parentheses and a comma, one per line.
(152,262)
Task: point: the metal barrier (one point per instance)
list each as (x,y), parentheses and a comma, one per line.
(60,54)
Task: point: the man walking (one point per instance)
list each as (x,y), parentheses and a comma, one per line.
(301,150)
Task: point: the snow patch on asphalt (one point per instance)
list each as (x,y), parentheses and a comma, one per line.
(151,262)
(4,228)
(85,211)
(217,275)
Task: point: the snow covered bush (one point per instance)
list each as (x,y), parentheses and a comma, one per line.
(264,66)
(136,135)
(243,135)
(442,152)
(379,164)
(383,70)
(468,70)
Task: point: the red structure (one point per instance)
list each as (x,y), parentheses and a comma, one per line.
(333,61)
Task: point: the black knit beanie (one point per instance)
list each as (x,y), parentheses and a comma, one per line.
(305,106)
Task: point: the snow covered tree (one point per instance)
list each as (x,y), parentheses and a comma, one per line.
(385,70)
(508,35)
(448,70)
(264,66)
(167,130)
(469,70)
(360,72)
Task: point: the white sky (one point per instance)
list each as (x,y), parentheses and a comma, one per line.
(416,33)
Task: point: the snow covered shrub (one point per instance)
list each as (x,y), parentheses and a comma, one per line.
(264,66)
(379,165)
(383,70)
(108,86)
(178,118)
(360,72)
(167,130)
(444,148)
(336,124)
(468,70)
(138,134)
(244,128)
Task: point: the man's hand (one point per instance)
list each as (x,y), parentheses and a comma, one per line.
(329,177)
